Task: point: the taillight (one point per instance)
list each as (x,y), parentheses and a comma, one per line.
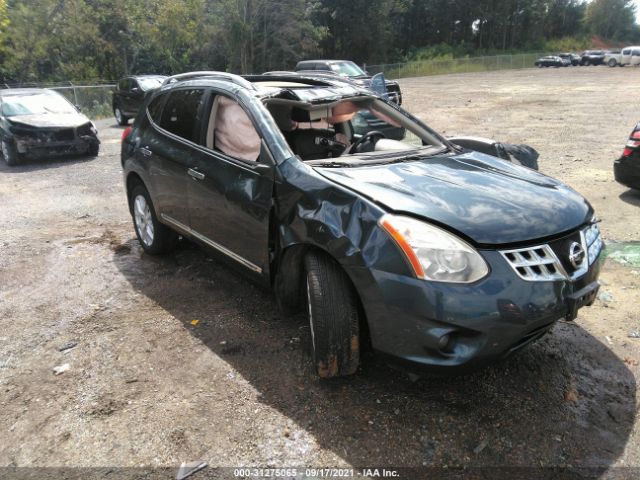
(633,143)
(126,133)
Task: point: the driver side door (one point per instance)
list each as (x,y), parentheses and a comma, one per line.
(231,186)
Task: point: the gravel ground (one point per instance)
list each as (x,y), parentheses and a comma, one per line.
(178,358)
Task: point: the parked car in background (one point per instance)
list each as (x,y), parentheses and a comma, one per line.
(551,61)
(573,58)
(348,69)
(592,57)
(129,95)
(440,257)
(628,56)
(626,169)
(40,123)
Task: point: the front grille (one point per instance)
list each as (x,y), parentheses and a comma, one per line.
(557,260)
(63,135)
(535,264)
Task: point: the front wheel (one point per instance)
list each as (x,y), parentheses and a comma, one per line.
(154,237)
(10,153)
(94,149)
(334,317)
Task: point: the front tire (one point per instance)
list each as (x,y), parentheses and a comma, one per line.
(334,317)
(121,118)
(94,149)
(154,237)
(10,153)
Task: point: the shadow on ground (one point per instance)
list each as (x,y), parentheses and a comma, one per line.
(31,165)
(632,197)
(567,400)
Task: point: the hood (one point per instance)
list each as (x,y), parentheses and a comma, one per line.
(489,200)
(50,120)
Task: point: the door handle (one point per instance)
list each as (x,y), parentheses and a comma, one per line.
(145,151)
(196,174)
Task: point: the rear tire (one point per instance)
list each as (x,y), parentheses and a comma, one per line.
(154,237)
(121,118)
(612,62)
(334,317)
(10,153)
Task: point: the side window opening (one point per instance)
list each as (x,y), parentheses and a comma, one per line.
(231,131)
(180,113)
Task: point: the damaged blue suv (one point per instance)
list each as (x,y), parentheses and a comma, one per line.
(440,257)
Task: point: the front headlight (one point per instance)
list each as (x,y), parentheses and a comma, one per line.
(433,253)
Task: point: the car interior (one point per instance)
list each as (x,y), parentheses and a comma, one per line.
(325,131)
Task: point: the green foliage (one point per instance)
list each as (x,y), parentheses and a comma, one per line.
(84,40)
(568,44)
(613,19)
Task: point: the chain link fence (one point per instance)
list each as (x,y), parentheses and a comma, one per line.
(455,65)
(93,100)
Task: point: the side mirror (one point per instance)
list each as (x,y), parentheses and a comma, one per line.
(78,108)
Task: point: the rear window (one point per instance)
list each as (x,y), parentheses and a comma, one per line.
(179,115)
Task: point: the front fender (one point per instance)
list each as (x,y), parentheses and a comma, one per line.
(314,212)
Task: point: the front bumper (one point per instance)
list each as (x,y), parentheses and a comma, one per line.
(30,148)
(626,171)
(485,321)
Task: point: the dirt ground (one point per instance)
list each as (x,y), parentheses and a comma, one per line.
(149,386)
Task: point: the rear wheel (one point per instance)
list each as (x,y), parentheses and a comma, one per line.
(121,118)
(154,237)
(612,62)
(10,153)
(334,317)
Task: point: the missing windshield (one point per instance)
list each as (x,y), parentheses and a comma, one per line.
(362,127)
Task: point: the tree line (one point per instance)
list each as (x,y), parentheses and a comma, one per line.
(56,40)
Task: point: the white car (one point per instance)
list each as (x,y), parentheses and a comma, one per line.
(628,56)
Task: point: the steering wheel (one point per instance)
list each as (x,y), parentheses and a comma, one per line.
(373,136)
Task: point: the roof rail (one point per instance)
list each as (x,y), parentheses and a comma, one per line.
(238,80)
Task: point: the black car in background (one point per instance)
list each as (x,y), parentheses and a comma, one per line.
(348,69)
(438,256)
(551,61)
(573,58)
(626,169)
(592,57)
(129,95)
(37,123)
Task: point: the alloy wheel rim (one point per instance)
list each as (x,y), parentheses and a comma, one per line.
(144,222)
